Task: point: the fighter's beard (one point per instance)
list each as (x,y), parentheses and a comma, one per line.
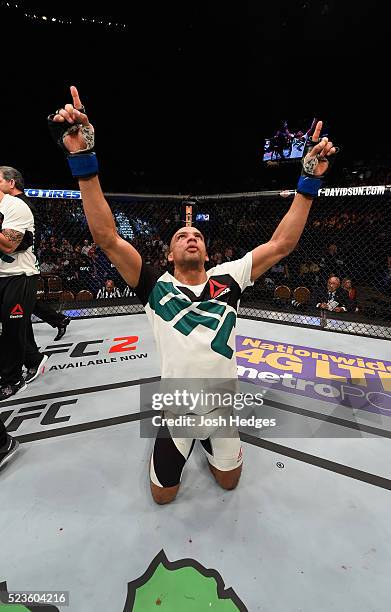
(191,264)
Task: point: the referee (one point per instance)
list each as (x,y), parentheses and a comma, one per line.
(12,182)
(18,287)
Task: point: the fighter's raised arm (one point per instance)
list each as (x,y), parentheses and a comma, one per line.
(285,238)
(73,132)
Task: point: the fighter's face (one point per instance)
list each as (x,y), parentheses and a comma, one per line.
(6,186)
(187,247)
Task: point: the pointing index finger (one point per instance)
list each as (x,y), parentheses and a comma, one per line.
(317,131)
(75,96)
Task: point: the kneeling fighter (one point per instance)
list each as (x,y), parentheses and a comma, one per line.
(192,312)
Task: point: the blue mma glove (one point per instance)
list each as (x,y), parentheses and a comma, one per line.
(83,163)
(309,183)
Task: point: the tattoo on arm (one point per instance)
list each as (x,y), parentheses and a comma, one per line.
(14,237)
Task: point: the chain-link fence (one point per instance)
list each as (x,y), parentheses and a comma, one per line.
(76,275)
(347,237)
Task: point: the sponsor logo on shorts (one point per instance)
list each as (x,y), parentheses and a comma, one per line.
(17,312)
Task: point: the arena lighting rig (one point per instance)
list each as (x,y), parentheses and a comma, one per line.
(37,15)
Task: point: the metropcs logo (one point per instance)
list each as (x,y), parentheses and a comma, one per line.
(216,289)
(17,312)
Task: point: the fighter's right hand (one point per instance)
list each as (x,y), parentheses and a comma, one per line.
(72,131)
(70,127)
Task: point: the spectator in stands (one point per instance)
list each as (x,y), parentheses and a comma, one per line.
(128,292)
(216,258)
(92,252)
(53,244)
(351,295)
(42,250)
(334,299)
(59,266)
(109,290)
(278,273)
(48,266)
(309,273)
(86,248)
(66,248)
(332,263)
(228,254)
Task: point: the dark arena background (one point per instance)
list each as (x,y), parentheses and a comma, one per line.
(201,113)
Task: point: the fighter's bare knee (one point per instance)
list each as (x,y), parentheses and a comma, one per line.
(163,495)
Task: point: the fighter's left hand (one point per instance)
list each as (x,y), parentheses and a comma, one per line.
(321,151)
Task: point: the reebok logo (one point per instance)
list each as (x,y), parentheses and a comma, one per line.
(17,312)
(217,288)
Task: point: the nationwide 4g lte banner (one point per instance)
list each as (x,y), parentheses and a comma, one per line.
(97,374)
(340,378)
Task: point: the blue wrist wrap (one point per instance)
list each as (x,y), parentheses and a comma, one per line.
(83,165)
(309,185)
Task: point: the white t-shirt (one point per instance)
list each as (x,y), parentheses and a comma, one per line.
(17,216)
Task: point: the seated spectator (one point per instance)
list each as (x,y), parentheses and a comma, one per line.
(278,273)
(92,252)
(216,258)
(163,264)
(53,244)
(43,250)
(109,290)
(351,295)
(333,298)
(309,273)
(228,254)
(47,266)
(332,262)
(66,248)
(128,292)
(59,266)
(86,248)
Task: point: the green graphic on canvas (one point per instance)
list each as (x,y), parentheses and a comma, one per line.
(181,585)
